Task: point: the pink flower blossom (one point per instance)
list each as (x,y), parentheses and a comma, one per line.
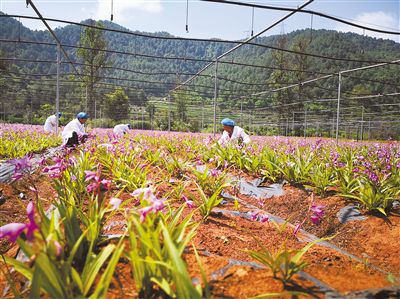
(318,213)
(257,216)
(143,213)
(12,231)
(147,193)
(226,164)
(21,164)
(90,175)
(17,176)
(115,203)
(106,184)
(214,172)
(33,189)
(188,202)
(92,187)
(296,228)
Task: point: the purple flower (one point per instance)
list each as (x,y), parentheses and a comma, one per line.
(106,184)
(296,228)
(42,161)
(12,231)
(17,176)
(315,219)
(318,213)
(199,161)
(92,187)
(115,203)
(188,202)
(147,193)
(254,216)
(90,175)
(33,189)
(21,164)
(373,177)
(143,213)
(226,164)
(158,205)
(257,216)
(214,172)
(58,248)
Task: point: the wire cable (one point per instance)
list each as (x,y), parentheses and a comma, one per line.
(312,12)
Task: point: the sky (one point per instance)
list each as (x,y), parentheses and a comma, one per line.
(214,20)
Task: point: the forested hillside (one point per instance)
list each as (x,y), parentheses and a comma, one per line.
(144,67)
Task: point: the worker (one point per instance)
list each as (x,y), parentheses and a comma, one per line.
(233,132)
(121,129)
(50,125)
(74,132)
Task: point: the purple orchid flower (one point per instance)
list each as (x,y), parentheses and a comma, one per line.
(12,231)
(318,213)
(21,164)
(90,175)
(115,203)
(147,193)
(188,202)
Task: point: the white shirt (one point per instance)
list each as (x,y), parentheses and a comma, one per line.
(50,124)
(121,129)
(238,132)
(73,126)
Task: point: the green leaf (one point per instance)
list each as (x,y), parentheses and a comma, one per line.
(203,273)
(20,267)
(102,286)
(52,282)
(93,267)
(77,279)
(164,285)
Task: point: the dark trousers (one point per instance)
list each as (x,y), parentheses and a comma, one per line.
(74,140)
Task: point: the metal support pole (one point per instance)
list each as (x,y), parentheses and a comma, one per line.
(202,114)
(287,126)
(142,119)
(362,123)
(215,96)
(305,122)
(58,86)
(169,113)
(293,123)
(338,108)
(369,130)
(86,108)
(241,112)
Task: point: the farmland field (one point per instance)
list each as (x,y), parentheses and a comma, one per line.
(156,214)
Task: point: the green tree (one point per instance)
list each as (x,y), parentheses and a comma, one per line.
(181,108)
(278,79)
(94,58)
(117,104)
(302,64)
(151,109)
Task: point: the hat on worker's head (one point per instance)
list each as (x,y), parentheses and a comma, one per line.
(82,115)
(59,114)
(129,126)
(228,122)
